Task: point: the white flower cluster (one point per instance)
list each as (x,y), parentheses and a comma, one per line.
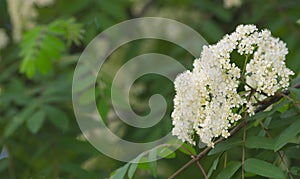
(23,14)
(208,102)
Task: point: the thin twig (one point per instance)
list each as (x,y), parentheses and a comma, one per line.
(265,104)
(198,163)
(187,150)
(202,169)
(291,99)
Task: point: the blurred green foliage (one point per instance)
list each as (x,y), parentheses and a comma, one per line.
(37,124)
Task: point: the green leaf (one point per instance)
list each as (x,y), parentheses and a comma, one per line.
(165,152)
(4,163)
(281,123)
(283,108)
(103,108)
(43,63)
(263,168)
(134,166)
(213,167)
(120,173)
(27,67)
(153,162)
(187,149)
(295,171)
(260,142)
(36,121)
(57,117)
(230,170)
(74,31)
(76,171)
(225,145)
(144,164)
(295,93)
(43,44)
(18,120)
(55,42)
(293,152)
(288,134)
(49,50)
(113,9)
(289,113)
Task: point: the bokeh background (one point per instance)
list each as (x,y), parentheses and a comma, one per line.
(50,144)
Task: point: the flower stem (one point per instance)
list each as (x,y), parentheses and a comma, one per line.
(245,64)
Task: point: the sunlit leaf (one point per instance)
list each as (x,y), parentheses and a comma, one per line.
(43,44)
(120,173)
(187,149)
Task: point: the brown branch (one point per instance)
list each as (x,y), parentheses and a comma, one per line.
(188,151)
(198,163)
(269,101)
(202,169)
(265,104)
